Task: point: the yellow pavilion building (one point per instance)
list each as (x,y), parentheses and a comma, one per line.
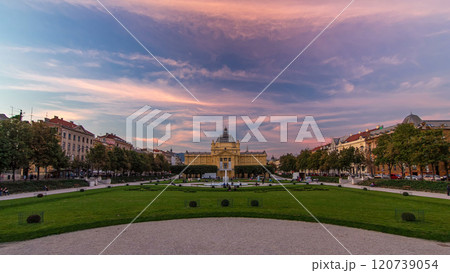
(226,154)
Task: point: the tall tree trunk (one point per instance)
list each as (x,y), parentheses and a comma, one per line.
(14,174)
(39,172)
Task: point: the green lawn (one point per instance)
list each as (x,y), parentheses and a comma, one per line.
(341,206)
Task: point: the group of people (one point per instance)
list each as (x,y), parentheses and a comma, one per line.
(4,191)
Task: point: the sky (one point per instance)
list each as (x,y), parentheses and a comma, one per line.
(374,65)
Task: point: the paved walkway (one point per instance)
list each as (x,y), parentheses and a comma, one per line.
(250,184)
(225,236)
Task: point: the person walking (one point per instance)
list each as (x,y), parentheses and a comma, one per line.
(448,189)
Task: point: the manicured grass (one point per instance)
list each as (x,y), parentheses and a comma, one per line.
(341,206)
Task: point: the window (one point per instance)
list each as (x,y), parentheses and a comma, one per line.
(64,134)
(82,157)
(229,159)
(79,138)
(73,147)
(70,136)
(221,159)
(78,148)
(82,149)
(63,145)
(83,140)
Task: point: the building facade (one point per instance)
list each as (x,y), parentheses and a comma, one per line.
(226,154)
(112,140)
(75,140)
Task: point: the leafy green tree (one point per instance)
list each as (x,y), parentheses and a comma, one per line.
(302,160)
(332,161)
(61,161)
(346,158)
(404,144)
(15,152)
(316,160)
(97,157)
(359,159)
(431,148)
(44,145)
(385,152)
(288,163)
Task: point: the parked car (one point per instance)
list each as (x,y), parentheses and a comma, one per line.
(395,176)
(412,177)
(429,177)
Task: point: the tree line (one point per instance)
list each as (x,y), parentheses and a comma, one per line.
(23,144)
(406,147)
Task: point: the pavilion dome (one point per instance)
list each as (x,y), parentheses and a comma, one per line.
(225,137)
(414,119)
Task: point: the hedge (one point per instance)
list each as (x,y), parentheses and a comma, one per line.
(30,186)
(418,185)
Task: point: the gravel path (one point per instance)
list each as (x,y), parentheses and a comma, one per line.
(226,236)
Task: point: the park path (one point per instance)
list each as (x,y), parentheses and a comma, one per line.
(201,184)
(224,236)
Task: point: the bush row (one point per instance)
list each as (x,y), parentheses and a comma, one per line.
(30,186)
(430,186)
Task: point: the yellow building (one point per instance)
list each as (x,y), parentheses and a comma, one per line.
(226,154)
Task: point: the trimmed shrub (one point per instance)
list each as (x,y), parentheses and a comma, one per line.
(193,204)
(34,219)
(405,193)
(270,185)
(81,190)
(254,203)
(321,184)
(213,187)
(340,186)
(364,189)
(225,203)
(40,195)
(109,187)
(127,184)
(408,217)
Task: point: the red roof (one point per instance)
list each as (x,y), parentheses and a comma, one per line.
(67,124)
(358,135)
(113,136)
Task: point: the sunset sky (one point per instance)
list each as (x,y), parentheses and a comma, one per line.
(379,61)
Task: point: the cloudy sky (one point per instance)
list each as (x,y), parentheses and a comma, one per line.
(379,61)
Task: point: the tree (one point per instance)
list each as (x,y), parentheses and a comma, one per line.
(346,158)
(403,140)
(385,152)
(316,160)
(303,160)
(97,157)
(288,163)
(44,145)
(15,152)
(359,159)
(332,161)
(431,148)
